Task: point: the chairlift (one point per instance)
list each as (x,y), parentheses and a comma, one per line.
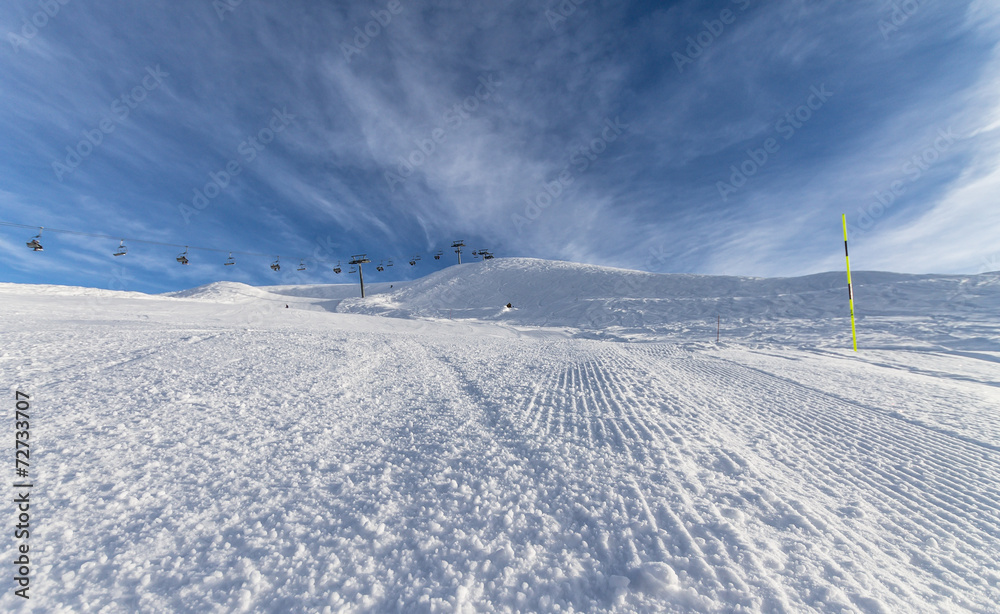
(437,256)
(353,270)
(182,258)
(337,269)
(122,250)
(34,243)
(389,263)
(302,265)
(276,266)
(487,256)
(380,268)
(230,260)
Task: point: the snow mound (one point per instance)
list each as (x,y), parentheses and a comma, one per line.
(234,292)
(946,311)
(587,297)
(7,288)
(223,292)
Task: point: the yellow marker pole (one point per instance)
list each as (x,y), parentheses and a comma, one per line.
(850,288)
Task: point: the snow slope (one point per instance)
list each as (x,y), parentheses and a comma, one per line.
(895,310)
(214,451)
(546,293)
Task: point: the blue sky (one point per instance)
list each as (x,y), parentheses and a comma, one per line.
(690,137)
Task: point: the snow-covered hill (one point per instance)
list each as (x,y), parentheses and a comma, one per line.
(895,309)
(547,293)
(214,450)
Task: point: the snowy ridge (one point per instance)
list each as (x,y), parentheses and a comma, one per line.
(601,302)
(319,296)
(215,451)
(224,292)
(68,291)
(547,293)
(552,293)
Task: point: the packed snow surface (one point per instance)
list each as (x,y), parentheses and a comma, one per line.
(590,449)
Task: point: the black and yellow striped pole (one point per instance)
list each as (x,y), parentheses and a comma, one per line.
(850,288)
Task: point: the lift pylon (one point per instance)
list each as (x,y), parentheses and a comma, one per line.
(358,260)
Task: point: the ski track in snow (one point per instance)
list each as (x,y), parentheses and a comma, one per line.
(205,456)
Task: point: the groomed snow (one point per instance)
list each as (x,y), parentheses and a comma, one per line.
(592,449)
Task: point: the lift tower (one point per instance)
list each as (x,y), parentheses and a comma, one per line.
(359,260)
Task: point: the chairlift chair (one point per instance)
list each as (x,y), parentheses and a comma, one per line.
(337,269)
(437,256)
(276,266)
(380,268)
(353,270)
(389,263)
(230,260)
(34,244)
(302,265)
(122,250)
(182,258)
